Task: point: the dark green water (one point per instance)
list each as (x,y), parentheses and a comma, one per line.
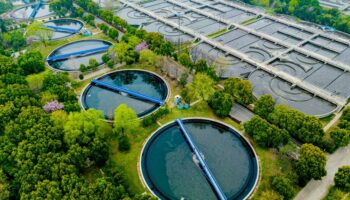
(73,64)
(171,173)
(140,81)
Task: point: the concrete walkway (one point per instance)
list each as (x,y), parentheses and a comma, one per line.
(333,121)
(317,190)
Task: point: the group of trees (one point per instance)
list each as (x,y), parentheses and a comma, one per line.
(308,10)
(93,64)
(266,134)
(13,40)
(47,144)
(340,135)
(307,129)
(273,126)
(111,32)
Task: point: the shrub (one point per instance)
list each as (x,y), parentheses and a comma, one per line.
(342,178)
(183,79)
(221,103)
(151,119)
(105,58)
(123,143)
(110,64)
(185,60)
(283,186)
(82,68)
(81,76)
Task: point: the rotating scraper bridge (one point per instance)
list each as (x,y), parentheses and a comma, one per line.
(126,91)
(209,175)
(299,65)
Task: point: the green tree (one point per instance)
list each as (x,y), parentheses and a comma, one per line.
(31,62)
(86,134)
(125,120)
(341,137)
(201,66)
(148,56)
(185,60)
(311,163)
(221,103)
(113,33)
(342,178)
(123,52)
(166,49)
(264,106)
(241,90)
(14,40)
(202,87)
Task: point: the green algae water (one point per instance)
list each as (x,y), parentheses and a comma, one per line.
(171,171)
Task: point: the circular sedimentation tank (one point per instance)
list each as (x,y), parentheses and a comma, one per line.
(72,24)
(140,81)
(73,63)
(24,13)
(170,169)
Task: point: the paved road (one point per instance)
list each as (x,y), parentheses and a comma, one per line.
(317,190)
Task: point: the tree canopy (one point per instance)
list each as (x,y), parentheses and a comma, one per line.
(342,178)
(31,62)
(202,87)
(221,103)
(308,129)
(264,106)
(241,90)
(125,120)
(264,133)
(311,163)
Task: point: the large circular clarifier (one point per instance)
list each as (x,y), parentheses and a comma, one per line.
(72,63)
(69,24)
(171,171)
(107,100)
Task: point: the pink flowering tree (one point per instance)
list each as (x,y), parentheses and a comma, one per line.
(53,106)
(143,45)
